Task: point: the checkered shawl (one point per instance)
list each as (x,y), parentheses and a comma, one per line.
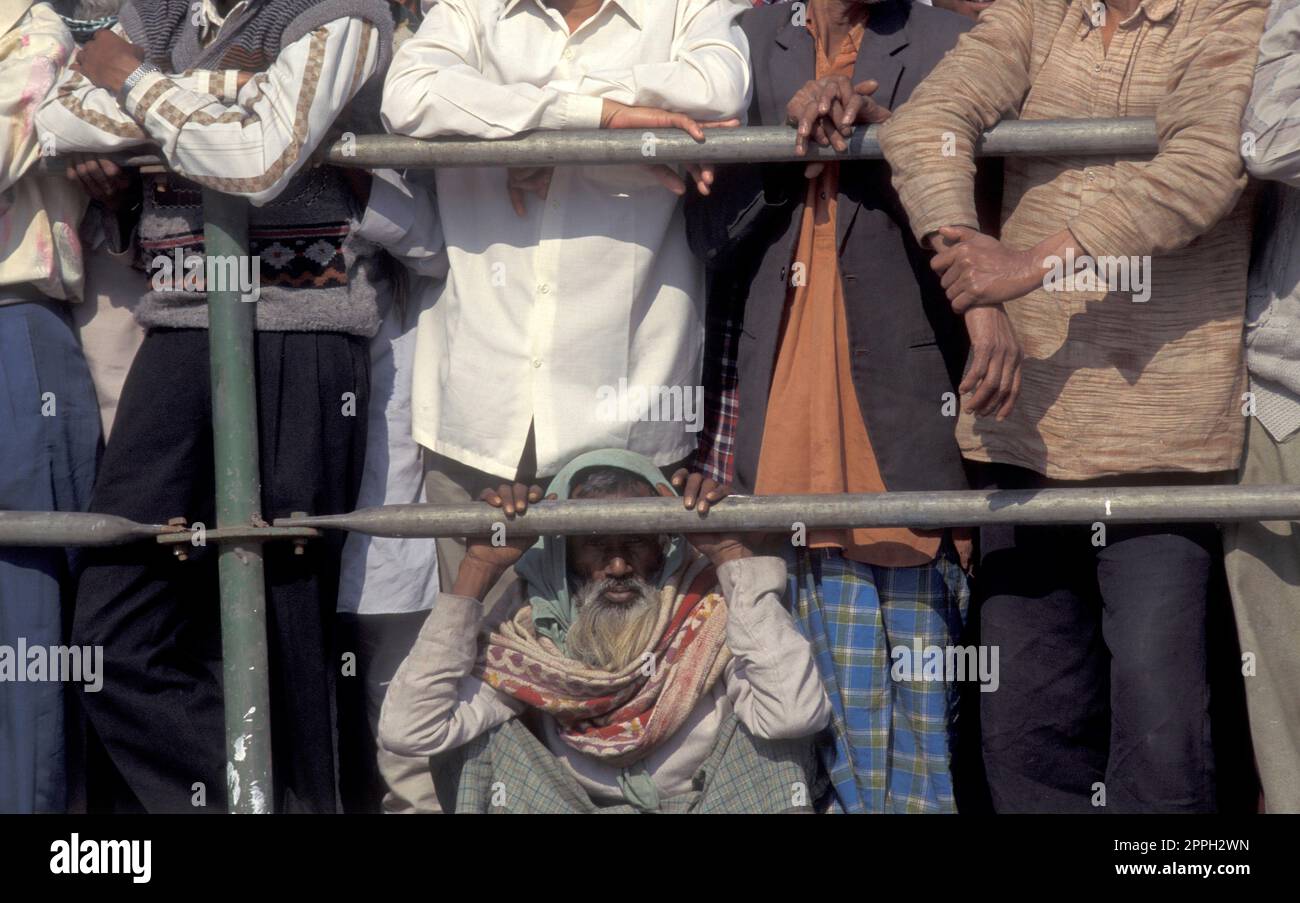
(619,717)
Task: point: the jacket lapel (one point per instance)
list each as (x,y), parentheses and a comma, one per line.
(881,58)
(794,63)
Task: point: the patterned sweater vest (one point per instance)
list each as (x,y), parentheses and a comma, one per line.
(315,273)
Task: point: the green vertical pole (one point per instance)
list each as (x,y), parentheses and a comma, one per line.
(239,503)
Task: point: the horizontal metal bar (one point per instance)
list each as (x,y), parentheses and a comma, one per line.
(242,534)
(69,528)
(780,513)
(765,144)
(1155,504)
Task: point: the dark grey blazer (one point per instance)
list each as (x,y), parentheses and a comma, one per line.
(908,348)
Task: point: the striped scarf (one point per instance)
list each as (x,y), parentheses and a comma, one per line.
(619,717)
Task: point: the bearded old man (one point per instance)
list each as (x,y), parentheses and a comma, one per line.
(627,673)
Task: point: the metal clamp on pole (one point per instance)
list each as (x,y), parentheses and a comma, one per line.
(239,503)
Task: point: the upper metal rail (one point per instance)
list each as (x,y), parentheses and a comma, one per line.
(921,510)
(763,144)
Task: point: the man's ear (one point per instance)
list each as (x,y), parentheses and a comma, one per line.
(665,490)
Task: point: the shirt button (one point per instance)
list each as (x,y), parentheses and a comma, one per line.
(537,362)
(568,53)
(1096,68)
(544,288)
(1092,177)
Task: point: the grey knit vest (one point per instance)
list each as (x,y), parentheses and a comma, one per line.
(316,274)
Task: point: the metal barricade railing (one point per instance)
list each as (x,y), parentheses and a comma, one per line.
(241,530)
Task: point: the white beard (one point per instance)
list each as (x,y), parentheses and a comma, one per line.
(610,636)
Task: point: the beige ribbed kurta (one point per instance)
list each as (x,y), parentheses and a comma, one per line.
(1110,385)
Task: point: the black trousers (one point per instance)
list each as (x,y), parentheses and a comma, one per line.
(1104,689)
(159,714)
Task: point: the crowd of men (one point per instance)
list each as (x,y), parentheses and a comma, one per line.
(930,321)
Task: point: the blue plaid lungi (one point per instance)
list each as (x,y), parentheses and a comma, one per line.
(889,745)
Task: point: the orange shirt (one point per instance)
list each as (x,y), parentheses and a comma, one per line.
(814,439)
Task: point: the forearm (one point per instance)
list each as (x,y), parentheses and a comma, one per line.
(435,87)
(402,218)
(26,76)
(930,140)
(430,99)
(433,704)
(475,578)
(254,147)
(708,76)
(1197,175)
(773,681)
(1271,145)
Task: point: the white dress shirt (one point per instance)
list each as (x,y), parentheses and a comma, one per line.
(542,314)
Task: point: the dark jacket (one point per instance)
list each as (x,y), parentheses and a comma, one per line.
(908,348)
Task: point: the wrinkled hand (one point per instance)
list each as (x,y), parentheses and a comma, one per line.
(699,493)
(977,269)
(107,59)
(101,178)
(827,110)
(969,8)
(513,500)
(992,379)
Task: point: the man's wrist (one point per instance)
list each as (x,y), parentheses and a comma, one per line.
(607,110)
(475,577)
(732,551)
(134,78)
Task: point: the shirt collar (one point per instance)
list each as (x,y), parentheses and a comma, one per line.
(1154,10)
(212,19)
(633,9)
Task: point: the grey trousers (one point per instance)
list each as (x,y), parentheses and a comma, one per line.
(1263,566)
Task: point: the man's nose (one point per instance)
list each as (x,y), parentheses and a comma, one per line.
(618,568)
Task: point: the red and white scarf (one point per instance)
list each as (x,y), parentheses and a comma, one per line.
(619,717)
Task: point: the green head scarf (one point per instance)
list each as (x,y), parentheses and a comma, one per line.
(544,567)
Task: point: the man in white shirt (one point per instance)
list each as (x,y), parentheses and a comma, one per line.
(564,315)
